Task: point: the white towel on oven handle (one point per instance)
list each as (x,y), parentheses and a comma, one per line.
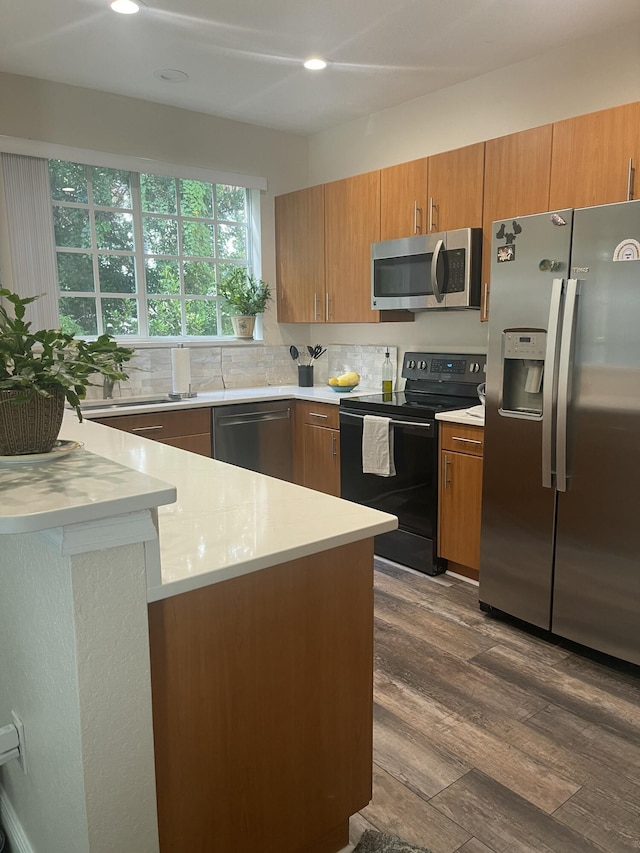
(377,446)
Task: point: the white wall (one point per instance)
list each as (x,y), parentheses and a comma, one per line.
(69,115)
(75,668)
(591,75)
(38,681)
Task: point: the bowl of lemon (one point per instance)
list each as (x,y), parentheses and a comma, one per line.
(345,383)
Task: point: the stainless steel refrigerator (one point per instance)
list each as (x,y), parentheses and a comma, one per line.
(560,544)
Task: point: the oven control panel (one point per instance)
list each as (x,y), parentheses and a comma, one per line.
(444,367)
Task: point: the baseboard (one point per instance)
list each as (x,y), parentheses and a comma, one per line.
(12,827)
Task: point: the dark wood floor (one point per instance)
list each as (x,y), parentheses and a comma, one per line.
(488,738)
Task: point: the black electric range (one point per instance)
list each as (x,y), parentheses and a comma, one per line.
(434,382)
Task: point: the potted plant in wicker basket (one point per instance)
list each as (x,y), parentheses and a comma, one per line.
(246,296)
(39,370)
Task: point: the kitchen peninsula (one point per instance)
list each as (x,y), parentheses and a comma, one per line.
(251,598)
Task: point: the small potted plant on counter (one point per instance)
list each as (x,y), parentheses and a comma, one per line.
(246,297)
(39,370)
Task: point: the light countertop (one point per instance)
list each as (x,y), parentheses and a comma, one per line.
(225,522)
(317,393)
(471,417)
(82,486)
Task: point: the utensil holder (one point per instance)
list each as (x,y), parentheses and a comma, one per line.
(305,375)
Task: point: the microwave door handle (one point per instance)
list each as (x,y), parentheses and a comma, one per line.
(435,285)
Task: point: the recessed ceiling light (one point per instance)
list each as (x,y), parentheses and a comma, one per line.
(125,7)
(171,75)
(315,64)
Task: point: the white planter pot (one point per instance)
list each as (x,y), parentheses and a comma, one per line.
(243,326)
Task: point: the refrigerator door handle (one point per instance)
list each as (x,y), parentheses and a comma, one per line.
(564,378)
(550,382)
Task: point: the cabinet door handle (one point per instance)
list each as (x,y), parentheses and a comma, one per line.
(317,415)
(630,180)
(466,440)
(315,307)
(333,445)
(417,229)
(328,309)
(447,469)
(485,302)
(432,206)
(147,428)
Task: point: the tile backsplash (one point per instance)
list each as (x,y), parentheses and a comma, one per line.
(214,368)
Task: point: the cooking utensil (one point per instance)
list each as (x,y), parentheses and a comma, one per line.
(315,352)
(293,352)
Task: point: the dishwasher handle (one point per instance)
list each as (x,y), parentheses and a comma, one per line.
(253,417)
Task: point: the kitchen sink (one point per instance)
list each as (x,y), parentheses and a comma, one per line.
(122,402)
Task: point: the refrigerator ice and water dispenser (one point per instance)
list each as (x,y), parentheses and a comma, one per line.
(523,354)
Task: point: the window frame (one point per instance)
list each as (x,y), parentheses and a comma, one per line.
(140,255)
(254,185)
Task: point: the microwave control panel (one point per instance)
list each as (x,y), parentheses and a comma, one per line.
(456,271)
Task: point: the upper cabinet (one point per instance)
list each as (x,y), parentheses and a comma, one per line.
(300,275)
(323,252)
(455,186)
(517,171)
(594,158)
(324,234)
(403,200)
(437,193)
(351,225)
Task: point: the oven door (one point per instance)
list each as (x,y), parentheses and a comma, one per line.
(412,495)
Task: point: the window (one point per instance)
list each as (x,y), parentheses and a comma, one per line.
(141,254)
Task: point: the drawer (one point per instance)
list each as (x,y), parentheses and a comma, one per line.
(319,414)
(161,425)
(461,438)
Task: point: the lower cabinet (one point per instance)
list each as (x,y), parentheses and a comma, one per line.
(460,503)
(262,706)
(188,429)
(317,451)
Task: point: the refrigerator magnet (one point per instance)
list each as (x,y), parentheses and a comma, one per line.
(627,250)
(505,254)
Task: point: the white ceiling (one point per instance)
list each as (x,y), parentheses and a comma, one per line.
(243,56)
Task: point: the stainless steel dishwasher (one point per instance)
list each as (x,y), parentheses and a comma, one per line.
(257,436)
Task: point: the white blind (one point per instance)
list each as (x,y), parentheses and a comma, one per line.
(31,242)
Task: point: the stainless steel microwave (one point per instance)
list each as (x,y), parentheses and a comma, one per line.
(427,271)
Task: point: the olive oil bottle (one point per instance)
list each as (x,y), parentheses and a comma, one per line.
(387,376)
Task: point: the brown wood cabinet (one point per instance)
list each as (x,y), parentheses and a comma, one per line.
(317,464)
(189,429)
(517,171)
(323,253)
(455,184)
(299,222)
(578,162)
(460,504)
(436,193)
(352,224)
(262,706)
(403,199)
(594,156)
